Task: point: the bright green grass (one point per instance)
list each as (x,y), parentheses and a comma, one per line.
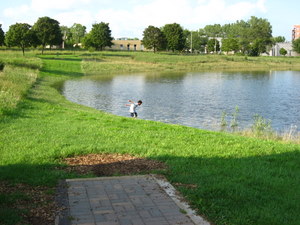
(239,180)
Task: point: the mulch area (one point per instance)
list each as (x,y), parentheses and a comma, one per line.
(40,201)
(112,164)
(36,203)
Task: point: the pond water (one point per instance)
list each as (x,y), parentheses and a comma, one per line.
(196,99)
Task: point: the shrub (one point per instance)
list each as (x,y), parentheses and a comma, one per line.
(2,66)
(282,51)
(261,126)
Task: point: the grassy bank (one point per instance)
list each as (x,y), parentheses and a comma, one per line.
(16,78)
(124,62)
(235,180)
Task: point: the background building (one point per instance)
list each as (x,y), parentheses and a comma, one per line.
(275,51)
(127,45)
(296,32)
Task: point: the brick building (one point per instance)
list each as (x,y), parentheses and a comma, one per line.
(296,32)
(127,45)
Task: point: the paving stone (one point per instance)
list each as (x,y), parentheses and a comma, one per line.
(137,200)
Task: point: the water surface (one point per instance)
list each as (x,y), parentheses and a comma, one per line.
(195,99)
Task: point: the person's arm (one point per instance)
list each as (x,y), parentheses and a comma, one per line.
(132,102)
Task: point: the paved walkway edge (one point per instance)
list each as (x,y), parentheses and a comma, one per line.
(160,180)
(171,191)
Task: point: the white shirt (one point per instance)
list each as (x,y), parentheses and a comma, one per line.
(132,108)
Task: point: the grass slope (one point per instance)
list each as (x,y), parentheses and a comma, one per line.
(236,180)
(124,62)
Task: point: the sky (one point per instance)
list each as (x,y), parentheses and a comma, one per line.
(129,18)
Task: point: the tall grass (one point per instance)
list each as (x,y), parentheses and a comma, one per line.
(17,77)
(124,62)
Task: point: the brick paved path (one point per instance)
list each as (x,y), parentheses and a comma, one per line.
(130,200)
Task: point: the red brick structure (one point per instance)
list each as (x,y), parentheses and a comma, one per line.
(296,32)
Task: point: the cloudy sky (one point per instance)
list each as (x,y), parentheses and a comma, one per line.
(128,18)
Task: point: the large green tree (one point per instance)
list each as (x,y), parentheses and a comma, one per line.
(213,45)
(99,37)
(2,36)
(174,36)
(278,39)
(78,32)
(196,41)
(296,45)
(153,38)
(259,28)
(230,44)
(66,37)
(19,35)
(48,32)
(213,31)
(253,35)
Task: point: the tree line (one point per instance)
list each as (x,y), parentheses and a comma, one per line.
(47,32)
(251,37)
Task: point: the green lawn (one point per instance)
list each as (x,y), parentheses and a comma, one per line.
(238,180)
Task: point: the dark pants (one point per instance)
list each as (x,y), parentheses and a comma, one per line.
(133,114)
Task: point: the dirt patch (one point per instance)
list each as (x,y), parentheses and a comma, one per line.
(36,204)
(112,164)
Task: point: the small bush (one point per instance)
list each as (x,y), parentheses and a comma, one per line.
(2,66)
(261,126)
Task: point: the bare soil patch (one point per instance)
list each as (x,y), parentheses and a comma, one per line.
(36,203)
(39,203)
(112,164)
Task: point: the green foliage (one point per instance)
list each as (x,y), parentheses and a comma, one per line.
(99,37)
(296,45)
(257,31)
(257,47)
(2,65)
(229,44)
(278,39)
(234,121)
(174,36)
(282,51)
(213,45)
(213,30)
(66,37)
(48,32)
(78,32)
(2,36)
(239,29)
(231,175)
(195,41)
(19,75)
(19,35)
(261,126)
(223,120)
(153,38)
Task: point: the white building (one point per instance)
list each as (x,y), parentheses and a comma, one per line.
(275,51)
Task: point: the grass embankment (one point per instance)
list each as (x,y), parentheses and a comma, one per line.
(16,78)
(124,62)
(236,180)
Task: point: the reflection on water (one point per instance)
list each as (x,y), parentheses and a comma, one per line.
(195,99)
